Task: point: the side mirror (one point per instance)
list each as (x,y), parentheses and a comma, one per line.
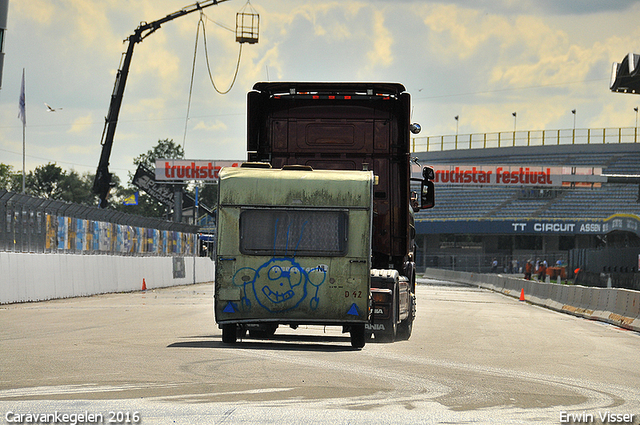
(428,173)
(427,197)
(427,194)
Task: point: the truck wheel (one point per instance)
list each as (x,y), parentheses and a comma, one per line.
(357,336)
(404,329)
(406,326)
(229,334)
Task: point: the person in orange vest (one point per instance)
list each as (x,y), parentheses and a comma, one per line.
(528,269)
(542,271)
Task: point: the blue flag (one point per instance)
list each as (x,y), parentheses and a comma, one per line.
(22,114)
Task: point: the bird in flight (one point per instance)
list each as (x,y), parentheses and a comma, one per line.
(50,109)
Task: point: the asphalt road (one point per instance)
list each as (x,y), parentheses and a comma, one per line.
(157,358)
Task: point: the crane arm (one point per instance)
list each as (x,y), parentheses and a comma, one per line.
(102,182)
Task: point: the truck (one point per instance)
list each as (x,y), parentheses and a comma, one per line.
(311,146)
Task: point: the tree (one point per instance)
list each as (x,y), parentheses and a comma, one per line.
(78,189)
(147,206)
(45,181)
(10,180)
(164,149)
(6,176)
(208,195)
(51,182)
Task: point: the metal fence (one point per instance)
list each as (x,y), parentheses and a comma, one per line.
(29,224)
(483,263)
(526,138)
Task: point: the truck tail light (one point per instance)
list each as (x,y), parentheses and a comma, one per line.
(381,296)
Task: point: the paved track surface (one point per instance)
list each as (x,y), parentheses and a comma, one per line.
(474,357)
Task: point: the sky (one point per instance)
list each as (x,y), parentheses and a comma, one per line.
(479,60)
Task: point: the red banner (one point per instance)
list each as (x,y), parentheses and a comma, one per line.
(513,175)
(184,169)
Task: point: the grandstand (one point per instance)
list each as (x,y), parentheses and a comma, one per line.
(514,223)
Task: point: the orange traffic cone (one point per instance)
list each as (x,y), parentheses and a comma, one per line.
(522,294)
(144,285)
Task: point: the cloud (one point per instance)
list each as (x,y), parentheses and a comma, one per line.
(573,7)
(81,124)
(381,53)
(327,19)
(521,51)
(157,69)
(40,11)
(89,21)
(216,125)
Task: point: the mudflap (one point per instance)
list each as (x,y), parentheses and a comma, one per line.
(358,336)
(384,332)
(384,288)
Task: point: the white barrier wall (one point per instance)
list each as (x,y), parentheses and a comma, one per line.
(37,277)
(620,307)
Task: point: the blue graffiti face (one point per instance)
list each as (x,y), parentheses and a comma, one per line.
(283,278)
(280,284)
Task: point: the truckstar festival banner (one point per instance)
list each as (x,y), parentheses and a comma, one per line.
(521,176)
(184,169)
(513,175)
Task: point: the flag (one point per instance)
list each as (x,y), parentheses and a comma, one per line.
(22,114)
(131,200)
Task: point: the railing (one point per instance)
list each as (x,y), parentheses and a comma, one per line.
(482,263)
(29,224)
(525,138)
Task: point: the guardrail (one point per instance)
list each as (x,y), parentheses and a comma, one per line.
(525,138)
(620,307)
(483,263)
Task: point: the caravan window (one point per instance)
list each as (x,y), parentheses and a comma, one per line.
(293,232)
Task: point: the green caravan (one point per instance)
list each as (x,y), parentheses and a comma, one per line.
(293,248)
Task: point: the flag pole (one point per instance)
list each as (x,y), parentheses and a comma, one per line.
(23,117)
(24,144)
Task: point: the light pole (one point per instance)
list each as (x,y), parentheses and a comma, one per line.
(635,134)
(515,117)
(573,141)
(457,117)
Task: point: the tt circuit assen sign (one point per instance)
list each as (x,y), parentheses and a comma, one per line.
(185,170)
(617,222)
